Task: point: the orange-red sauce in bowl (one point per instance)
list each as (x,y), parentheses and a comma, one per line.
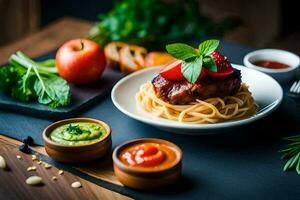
(270,64)
(147,163)
(148,155)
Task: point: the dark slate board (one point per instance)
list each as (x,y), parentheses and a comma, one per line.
(82,98)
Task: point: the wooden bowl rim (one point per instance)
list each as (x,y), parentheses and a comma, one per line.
(54,125)
(134,170)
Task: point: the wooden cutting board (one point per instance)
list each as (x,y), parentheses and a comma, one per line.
(13,186)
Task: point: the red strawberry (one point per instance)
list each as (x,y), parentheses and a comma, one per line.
(223,65)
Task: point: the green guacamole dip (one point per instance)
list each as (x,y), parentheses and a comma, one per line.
(78,133)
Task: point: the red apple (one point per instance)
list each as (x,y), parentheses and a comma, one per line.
(80,61)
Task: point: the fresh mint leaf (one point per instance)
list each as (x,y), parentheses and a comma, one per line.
(192,70)
(181,51)
(210,64)
(207,47)
(194,59)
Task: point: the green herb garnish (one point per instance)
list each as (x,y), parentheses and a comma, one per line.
(152,23)
(26,80)
(292,153)
(194,59)
(74,129)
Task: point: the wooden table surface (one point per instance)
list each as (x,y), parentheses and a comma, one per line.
(13,186)
(47,39)
(12,182)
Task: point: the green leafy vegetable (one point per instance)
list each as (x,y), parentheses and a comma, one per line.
(194,58)
(292,154)
(53,91)
(23,90)
(9,76)
(152,23)
(26,80)
(48,63)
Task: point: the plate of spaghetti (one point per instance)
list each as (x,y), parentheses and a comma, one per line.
(185,98)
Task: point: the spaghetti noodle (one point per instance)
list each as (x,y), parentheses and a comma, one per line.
(212,110)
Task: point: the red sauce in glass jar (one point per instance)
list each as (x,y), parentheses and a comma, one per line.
(270,64)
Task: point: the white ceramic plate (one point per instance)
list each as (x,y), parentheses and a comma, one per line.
(265,90)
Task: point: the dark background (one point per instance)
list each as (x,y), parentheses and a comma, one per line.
(265,23)
(284,15)
(87,10)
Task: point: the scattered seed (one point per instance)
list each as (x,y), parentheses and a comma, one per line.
(33,157)
(34,180)
(76,184)
(19,157)
(54,178)
(47,166)
(33,168)
(39,162)
(2,163)
(60,172)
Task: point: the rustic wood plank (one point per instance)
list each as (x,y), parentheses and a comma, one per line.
(47,39)
(13,186)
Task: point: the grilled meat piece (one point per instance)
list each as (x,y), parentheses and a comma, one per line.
(183,92)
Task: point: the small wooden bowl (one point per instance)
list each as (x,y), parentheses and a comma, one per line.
(77,153)
(145,179)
